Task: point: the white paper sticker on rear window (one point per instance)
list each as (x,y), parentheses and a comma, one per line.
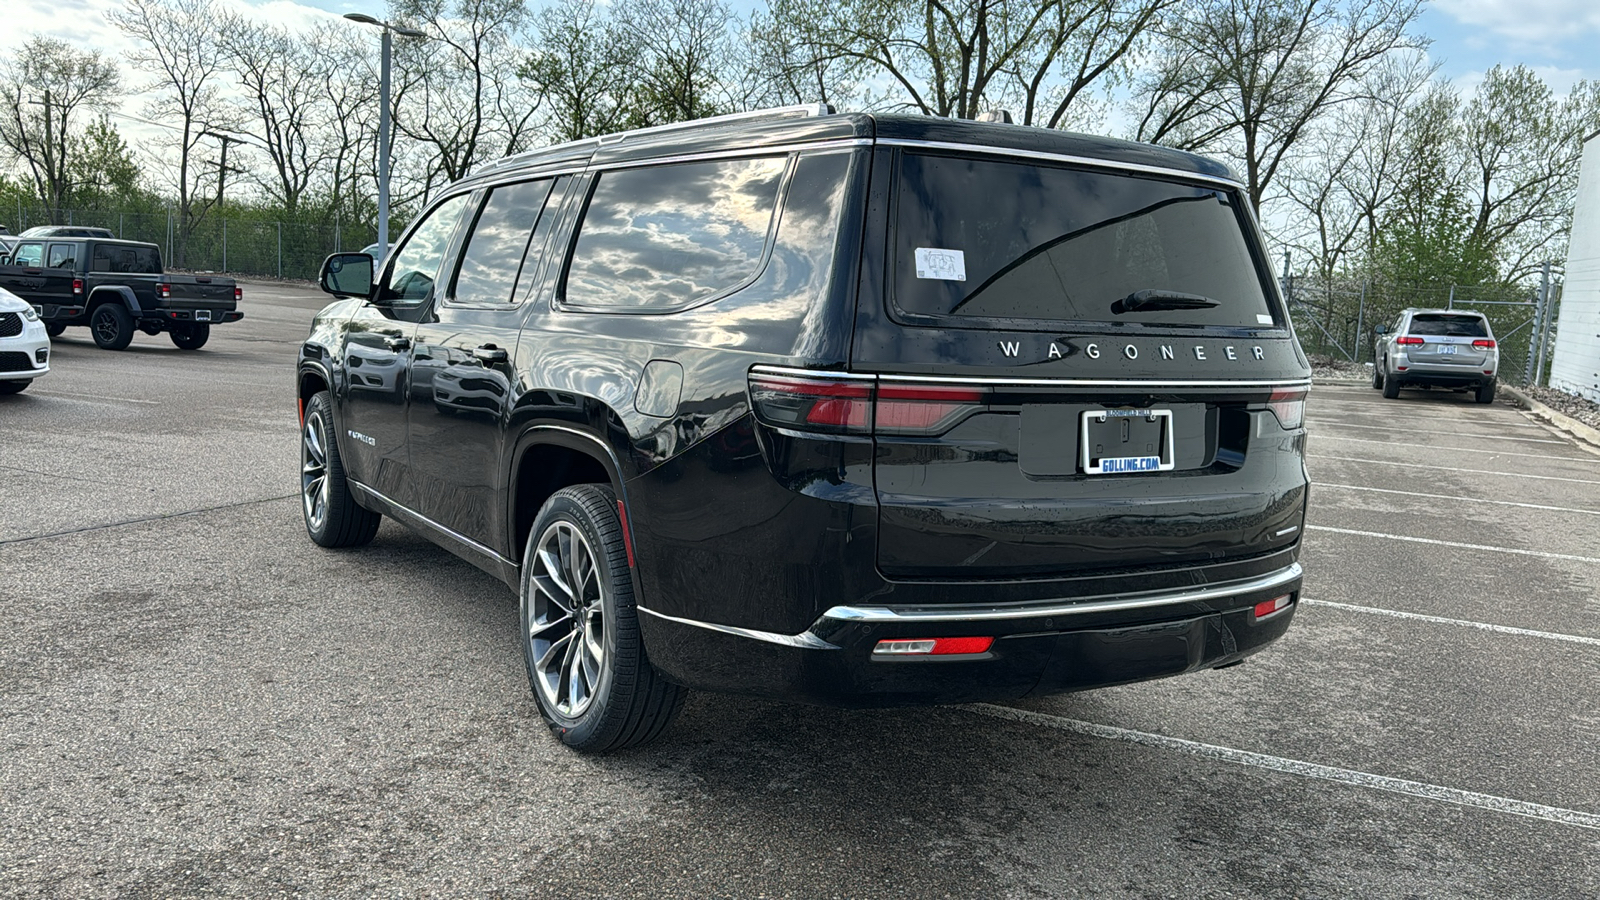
(944,265)
(1263,320)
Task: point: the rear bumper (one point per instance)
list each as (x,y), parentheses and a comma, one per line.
(1446,376)
(1040,647)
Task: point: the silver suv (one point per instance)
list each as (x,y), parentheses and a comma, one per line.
(1446,348)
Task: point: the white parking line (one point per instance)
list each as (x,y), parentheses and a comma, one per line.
(1315,420)
(1463,623)
(1390,462)
(1543,554)
(100,397)
(1518,454)
(1320,485)
(1453,414)
(1303,769)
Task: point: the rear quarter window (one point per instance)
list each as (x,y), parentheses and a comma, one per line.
(1000,243)
(125,260)
(664,237)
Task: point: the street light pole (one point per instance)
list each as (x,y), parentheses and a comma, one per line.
(383,125)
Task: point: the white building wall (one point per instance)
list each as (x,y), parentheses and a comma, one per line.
(1575,365)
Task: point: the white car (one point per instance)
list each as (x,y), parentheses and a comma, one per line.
(24,346)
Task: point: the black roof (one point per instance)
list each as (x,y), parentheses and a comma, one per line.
(793,125)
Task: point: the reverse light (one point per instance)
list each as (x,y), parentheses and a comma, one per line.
(1289,405)
(1272,607)
(957,646)
(1483,344)
(1409,341)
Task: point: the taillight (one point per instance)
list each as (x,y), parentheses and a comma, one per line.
(925,409)
(238,293)
(1483,345)
(164,290)
(833,404)
(77,287)
(1409,341)
(1289,405)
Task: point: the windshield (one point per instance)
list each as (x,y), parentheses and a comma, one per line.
(1017,243)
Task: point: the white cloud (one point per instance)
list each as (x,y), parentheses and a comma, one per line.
(1534,22)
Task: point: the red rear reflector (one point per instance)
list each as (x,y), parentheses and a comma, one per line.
(960,646)
(1272,607)
(1483,345)
(1409,341)
(627,533)
(1488,371)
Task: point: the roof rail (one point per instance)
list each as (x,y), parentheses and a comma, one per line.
(778,112)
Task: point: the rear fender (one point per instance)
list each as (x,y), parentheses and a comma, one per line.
(116,294)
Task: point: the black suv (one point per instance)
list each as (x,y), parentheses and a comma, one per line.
(856,410)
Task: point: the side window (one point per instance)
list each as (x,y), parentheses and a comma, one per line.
(417,261)
(29,254)
(661,237)
(63,256)
(498,249)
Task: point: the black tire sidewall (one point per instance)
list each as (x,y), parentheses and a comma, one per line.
(118,315)
(598,724)
(190,335)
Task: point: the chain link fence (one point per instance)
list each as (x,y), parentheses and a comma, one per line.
(1335,319)
(238,241)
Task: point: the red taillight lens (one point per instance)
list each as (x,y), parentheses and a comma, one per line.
(238,293)
(1272,607)
(1409,341)
(1483,345)
(925,408)
(164,290)
(77,286)
(1289,405)
(958,646)
(813,404)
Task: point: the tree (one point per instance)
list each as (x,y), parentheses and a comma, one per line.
(103,170)
(178,47)
(684,59)
(47,87)
(958,57)
(581,64)
(283,79)
(1247,78)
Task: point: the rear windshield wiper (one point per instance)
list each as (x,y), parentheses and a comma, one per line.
(1141,301)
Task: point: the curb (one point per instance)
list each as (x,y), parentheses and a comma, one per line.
(1588,436)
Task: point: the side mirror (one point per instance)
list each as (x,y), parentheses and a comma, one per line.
(1380,329)
(347,275)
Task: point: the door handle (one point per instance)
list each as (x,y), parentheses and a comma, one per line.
(396,343)
(489,353)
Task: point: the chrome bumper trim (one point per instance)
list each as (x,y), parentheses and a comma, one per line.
(1054,608)
(804,641)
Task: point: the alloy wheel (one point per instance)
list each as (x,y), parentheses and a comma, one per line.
(566,624)
(314,471)
(105,327)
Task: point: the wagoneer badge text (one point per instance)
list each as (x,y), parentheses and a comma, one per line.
(1093,351)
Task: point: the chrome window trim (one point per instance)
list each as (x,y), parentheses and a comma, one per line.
(1027,382)
(710,155)
(1064,608)
(453,535)
(1089,161)
(804,640)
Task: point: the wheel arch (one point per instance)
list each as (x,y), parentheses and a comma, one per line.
(549,457)
(115,294)
(311,380)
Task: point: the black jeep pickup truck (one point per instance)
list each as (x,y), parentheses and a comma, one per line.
(115,287)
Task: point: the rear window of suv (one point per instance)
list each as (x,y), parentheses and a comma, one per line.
(1454,326)
(1015,244)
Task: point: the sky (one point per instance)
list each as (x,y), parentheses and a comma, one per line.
(1556,38)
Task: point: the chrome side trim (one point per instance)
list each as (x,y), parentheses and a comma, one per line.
(772,150)
(804,641)
(1031,382)
(424,520)
(1062,157)
(1063,608)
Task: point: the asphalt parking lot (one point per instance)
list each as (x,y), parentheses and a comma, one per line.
(195,700)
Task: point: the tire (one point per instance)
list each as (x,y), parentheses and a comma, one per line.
(1486,392)
(190,335)
(597,691)
(331,515)
(14,386)
(111,326)
(1377,376)
(1391,388)
(54,329)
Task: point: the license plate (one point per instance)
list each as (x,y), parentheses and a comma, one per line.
(1447,349)
(202,315)
(1125,441)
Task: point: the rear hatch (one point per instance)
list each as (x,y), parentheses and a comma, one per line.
(1449,339)
(198,291)
(1078,371)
